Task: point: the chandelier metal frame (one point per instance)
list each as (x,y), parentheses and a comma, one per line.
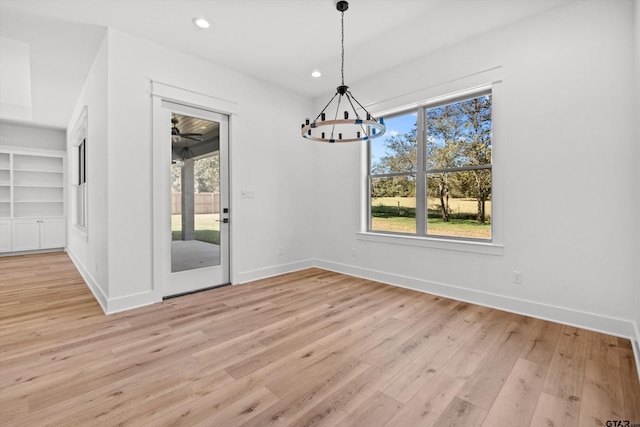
(364,128)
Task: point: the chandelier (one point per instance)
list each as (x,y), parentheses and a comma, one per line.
(331,126)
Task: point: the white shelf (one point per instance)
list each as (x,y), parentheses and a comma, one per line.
(38,186)
(31,184)
(22,210)
(39,179)
(37,194)
(36,171)
(37,201)
(35,163)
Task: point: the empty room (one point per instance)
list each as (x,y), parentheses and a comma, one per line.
(320,213)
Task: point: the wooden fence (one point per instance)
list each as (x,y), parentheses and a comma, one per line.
(204,203)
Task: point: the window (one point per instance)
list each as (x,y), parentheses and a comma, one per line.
(82,163)
(78,164)
(430,175)
(81,205)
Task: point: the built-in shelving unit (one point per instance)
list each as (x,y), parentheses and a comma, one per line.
(32,192)
(37,185)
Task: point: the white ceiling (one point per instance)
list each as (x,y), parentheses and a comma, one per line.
(278,41)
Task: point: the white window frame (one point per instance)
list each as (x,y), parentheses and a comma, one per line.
(456,89)
(79,205)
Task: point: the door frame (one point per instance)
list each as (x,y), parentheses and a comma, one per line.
(161,173)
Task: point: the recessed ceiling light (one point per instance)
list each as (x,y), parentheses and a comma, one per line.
(316,74)
(201,22)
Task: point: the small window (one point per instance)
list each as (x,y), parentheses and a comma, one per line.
(430,175)
(81,200)
(78,172)
(82,163)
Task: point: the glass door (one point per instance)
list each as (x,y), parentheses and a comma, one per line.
(193,222)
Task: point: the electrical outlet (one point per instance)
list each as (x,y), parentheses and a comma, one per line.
(280,251)
(246,194)
(517,277)
(353,252)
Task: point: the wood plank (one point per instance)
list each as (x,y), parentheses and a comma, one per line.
(429,403)
(552,411)
(376,411)
(461,413)
(517,399)
(603,348)
(444,345)
(311,388)
(484,385)
(630,380)
(542,342)
(602,398)
(566,371)
(241,410)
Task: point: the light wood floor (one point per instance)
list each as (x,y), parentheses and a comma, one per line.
(304,349)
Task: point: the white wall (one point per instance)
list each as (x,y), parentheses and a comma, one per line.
(25,136)
(267,156)
(566,180)
(89,250)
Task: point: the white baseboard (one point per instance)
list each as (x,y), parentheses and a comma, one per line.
(113,305)
(591,321)
(37,251)
(91,282)
(263,273)
(635,343)
(128,302)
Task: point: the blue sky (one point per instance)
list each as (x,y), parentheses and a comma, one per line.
(396,125)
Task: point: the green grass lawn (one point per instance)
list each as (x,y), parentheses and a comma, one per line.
(459,228)
(207,228)
(436,226)
(398,214)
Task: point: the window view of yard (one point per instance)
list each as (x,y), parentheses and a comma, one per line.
(398,214)
(207,228)
(204,200)
(434,163)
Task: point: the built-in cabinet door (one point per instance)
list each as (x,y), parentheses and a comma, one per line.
(52,233)
(5,236)
(25,234)
(33,234)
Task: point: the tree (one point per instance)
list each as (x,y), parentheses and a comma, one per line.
(401,155)
(206,174)
(459,135)
(442,153)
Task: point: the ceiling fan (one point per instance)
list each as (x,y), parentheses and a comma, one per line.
(176,135)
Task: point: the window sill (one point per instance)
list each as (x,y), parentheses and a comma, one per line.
(433,243)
